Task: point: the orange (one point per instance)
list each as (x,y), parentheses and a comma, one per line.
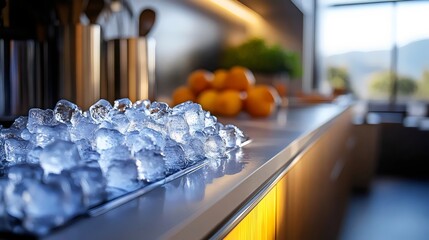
(228,103)
(183,94)
(207,99)
(261,101)
(219,79)
(200,80)
(239,78)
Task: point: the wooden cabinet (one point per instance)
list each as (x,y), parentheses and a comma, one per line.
(309,201)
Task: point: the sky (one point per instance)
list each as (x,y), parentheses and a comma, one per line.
(371,27)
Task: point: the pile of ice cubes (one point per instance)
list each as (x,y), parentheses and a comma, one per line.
(56,164)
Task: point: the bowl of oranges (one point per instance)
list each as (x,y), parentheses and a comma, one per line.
(227,93)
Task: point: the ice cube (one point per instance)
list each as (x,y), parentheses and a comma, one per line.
(157,138)
(119,152)
(85,150)
(122,174)
(66,111)
(100,110)
(193,114)
(136,119)
(20,123)
(38,117)
(19,172)
(241,137)
(122,104)
(119,121)
(229,135)
(158,110)
(214,146)
(33,156)
(142,105)
(92,182)
(152,124)
(16,150)
(43,207)
(72,196)
(136,142)
(13,197)
(4,225)
(177,128)
(26,135)
(194,150)
(82,128)
(107,138)
(209,120)
(45,135)
(58,156)
(174,157)
(150,165)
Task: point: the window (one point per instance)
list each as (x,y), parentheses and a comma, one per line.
(371,47)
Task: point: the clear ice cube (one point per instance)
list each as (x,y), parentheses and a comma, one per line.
(16,150)
(20,123)
(157,138)
(119,121)
(33,156)
(92,182)
(122,174)
(177,128)
(194,150)
(119,152)
(107,138)
(13,197)
(38,117)
(122,104)
(65,111)
(150,165)
(174,157)
(229,135)
(142,105)
(100,110)
(19,172)
(214,146)
(72,203)
(158,110)
(193,114)
(43,207)
(59,155)
(82,128)
(136,142)
(45,135)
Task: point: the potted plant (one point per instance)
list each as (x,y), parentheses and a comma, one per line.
(270,64)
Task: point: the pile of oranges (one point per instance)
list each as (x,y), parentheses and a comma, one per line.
(228,92)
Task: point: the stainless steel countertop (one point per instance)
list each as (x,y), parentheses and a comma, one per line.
(192,206)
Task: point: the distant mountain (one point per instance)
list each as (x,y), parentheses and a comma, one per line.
(413,59)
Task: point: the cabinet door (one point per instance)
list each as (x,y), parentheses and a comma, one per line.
(260,222)
(312,196)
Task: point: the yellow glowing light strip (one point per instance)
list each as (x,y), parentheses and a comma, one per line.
(238,9)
